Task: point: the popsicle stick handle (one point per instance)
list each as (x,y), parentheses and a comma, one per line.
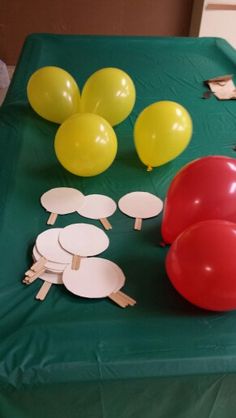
(118,300)
(43,291)
(29,273)
(52,219)
(106,224)
(75,262)
(39,264)
(30,279)
(127,298)
(138,224)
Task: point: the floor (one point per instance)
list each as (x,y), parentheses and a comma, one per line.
(3,92)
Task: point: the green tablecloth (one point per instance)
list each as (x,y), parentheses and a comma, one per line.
(71,357)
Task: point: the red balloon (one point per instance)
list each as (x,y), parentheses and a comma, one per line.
(203,189)
(201,265)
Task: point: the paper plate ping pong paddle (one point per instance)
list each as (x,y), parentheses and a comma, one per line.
(50,266)
(98,206)
(49,279)
(48,245)
(97,278)
(83,240)
(49,248)
(140,205)
(61,201)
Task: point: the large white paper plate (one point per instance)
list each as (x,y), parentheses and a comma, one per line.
(96,278)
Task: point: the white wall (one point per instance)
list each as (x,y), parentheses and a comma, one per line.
(220,23)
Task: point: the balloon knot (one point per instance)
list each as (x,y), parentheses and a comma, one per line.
(162,244)
(149,168)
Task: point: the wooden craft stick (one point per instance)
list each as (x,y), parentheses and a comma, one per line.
(32,278)
(118,300)
(130,300)
(52,219)
(122,298)
(39,264)
(43,291)
(105,223)
(29,273)
(138,224)
(75,262)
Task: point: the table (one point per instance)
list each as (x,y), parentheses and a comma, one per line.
(71,357)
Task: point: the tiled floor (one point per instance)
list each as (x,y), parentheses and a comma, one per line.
(3,92)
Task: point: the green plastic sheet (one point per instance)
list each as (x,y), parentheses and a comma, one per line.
(72,357)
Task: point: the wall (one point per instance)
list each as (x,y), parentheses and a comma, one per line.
(221,22)
(18,18)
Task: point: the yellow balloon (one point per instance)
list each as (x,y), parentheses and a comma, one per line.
(110,93)
(86,144)
(53,94)
(162,131)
